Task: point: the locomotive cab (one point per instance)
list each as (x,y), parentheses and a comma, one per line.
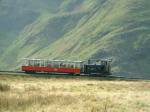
(98,67)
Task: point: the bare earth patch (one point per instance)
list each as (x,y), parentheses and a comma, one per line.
(37,94)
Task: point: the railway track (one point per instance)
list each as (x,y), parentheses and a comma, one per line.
(12,73)
(62,75)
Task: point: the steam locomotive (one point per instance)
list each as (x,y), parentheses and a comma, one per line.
(90,67)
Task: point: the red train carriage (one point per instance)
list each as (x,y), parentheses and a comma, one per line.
(98,67)
(58,66)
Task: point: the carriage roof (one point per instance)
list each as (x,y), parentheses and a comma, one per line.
(68,61)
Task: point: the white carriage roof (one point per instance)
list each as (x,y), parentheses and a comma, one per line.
(69,61)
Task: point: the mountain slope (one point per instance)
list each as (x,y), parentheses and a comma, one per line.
(82,29)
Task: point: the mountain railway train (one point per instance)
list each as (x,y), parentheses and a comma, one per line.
(90,67)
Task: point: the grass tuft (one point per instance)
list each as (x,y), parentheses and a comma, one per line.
(4,87)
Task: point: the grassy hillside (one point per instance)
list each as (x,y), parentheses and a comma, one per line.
(81,29)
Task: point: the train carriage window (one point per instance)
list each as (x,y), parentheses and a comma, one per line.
(77,65)
(48,63)
(36,62)
(31,62)
(63,65)
(71,65)
(42,63)
(55,64)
